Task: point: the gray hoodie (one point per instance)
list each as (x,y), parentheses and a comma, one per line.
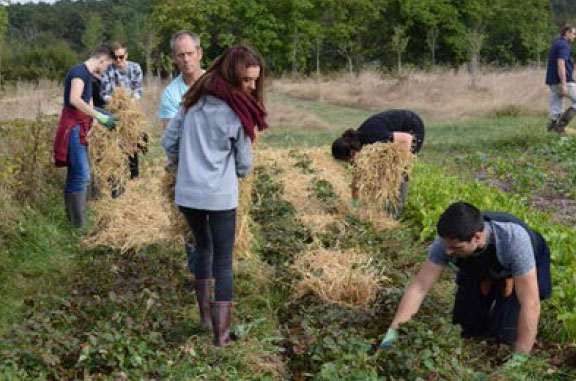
(212,150)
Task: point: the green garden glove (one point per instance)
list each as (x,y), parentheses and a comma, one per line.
(107,121)
(389,339)
(516,361)
(353,203)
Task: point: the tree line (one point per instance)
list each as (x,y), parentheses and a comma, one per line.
(299,36)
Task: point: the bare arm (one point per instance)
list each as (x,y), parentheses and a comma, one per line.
(76,88)
(165,122)
(403,138)
(562,74)
(418,289)
(527,291)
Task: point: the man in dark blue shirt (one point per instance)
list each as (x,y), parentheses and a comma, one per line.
(560,79)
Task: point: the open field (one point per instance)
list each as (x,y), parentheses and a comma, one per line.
(72,312)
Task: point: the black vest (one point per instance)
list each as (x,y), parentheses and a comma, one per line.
(486,265)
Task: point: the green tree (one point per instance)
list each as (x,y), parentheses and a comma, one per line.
(400,44)
(94,31)
(3,28)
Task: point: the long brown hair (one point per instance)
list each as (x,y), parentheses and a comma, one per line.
(230,67)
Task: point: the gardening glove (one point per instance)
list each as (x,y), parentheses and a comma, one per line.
(516,361)
(353,203)
(107,121)
(389,339)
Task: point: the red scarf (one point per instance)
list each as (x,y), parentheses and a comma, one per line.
(250,112)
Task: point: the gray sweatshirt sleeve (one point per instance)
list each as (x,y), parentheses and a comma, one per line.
(171,137)
(242,153)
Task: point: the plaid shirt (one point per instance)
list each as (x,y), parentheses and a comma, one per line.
(129,78)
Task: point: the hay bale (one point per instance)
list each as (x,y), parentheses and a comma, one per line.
(377,172)
(109,150)
(342,277)
(134,221)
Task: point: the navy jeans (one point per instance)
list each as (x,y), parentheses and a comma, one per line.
(214,233)
(78,174)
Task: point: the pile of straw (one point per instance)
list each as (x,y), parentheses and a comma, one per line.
(109,149)
(243,221)
(178,228)
(135,220)
(377,172)
(345,278)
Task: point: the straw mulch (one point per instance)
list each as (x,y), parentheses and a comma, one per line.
(378,171)
(135,220)
(179,227)
(342,277)
(243,239)
(109,149)
(296,188)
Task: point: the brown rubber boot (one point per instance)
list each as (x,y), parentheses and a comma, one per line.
(220,312)
(203,289)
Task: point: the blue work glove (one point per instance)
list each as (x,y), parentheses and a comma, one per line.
(516,361)
(107,121)
(389,339)
(353,203)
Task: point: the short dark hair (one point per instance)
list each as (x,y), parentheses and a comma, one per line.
(181,33)
(343,146)
(460,221)
(102,50)
(565,29)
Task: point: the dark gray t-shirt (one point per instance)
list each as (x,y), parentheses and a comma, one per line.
(513,247)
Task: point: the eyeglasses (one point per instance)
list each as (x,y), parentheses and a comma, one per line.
(120,57)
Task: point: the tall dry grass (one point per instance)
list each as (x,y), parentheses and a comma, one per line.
(439,95)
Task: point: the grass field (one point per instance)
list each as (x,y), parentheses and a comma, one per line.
(71,312)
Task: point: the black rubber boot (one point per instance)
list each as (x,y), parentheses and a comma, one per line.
(203,288)
(220,312)
(554,127)
(76,208)
(566,118)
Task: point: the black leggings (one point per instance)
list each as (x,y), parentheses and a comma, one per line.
(213,233)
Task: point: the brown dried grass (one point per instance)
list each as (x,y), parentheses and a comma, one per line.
(283,114)
(179,226)
(378,171)
(244,237)
(438,95)
(135,220)
(342,277)
(109,149)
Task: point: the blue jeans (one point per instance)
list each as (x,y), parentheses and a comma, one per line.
(213,233)
(78,174)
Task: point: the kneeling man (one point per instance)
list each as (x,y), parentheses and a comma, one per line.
(503,272)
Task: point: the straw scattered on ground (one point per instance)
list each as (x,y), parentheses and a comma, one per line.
(342,277)
(134,220)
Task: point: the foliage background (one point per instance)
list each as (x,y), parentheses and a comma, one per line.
(299,36)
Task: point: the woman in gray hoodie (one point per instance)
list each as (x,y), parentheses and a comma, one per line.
(210,138)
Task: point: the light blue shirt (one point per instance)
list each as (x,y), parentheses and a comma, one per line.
(171,98)
(213,151)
